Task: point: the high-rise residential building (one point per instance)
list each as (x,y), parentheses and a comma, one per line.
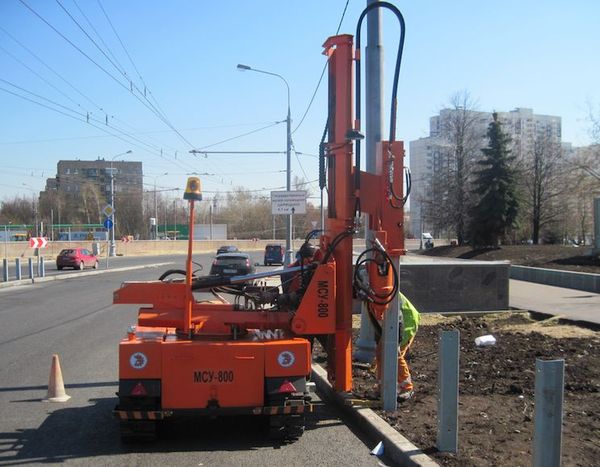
(426,154)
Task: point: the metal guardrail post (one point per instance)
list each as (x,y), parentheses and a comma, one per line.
(449,352)
(549,392)
(41,267)
(5,270)
(30,267)
(389,352)
(18,268)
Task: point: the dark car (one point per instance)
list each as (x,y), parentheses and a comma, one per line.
(232,264)
(76,258)
(227,249)
(274,253)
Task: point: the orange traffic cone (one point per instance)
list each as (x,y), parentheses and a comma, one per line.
(56,386)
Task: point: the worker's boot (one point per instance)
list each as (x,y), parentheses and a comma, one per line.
(405,390)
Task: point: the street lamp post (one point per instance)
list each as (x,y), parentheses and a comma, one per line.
(113,246)
(288,240)
(156,206)
(6,238)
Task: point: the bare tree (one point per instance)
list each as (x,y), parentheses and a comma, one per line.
(543,179)
(594,119)
(583,180)
(450,188)
(129,217)
(18,211)
(90,202)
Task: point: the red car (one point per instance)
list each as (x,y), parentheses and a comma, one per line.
(76,258)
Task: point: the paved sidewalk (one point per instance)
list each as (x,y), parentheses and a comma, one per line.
(571,304)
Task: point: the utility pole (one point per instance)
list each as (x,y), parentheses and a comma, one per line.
(289,239)
(210,218)
(365,345)
(155,213)
(113,247)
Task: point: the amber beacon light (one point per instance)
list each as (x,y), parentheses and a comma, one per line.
(193,190)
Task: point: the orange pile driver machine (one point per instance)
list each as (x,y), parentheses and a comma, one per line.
(253,355)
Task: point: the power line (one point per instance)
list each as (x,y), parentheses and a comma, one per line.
(81,119)
(322,72)
(149,106)
(39,76)
(50,68)
(158,107)
(68,83)
(239,136)
(137,132)
(91,39)
(99,36)
(86,116)
(72,44)
(127,52)
(160,115)
(112,62)
(197,151)
(83,115)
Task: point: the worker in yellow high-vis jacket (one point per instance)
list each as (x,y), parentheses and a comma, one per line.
(407,332)
(410,320)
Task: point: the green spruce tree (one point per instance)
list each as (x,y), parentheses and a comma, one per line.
(495,188)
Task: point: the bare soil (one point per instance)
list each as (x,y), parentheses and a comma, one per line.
(496,402)
(568,258)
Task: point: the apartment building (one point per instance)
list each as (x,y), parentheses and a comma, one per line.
(73,175)
(427,154)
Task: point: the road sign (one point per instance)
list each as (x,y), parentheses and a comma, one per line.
(108,210)
(288,202)
(108,223)
(38,242)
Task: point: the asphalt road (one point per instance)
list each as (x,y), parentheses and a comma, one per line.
(572,304)
(75,319)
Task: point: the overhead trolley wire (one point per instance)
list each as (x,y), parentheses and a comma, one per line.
(129,57)
(119,67)
(87,116)
(146,104)
(239,136)
(99,36)
(16,59)
(146,88)
(71,85)
(80,116)
(322,72)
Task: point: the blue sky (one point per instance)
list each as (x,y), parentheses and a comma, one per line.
(541,55)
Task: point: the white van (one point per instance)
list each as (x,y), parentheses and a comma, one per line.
(427,240)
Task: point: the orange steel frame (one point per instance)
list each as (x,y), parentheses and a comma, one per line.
(375,199)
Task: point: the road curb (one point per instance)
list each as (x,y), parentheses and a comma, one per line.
(396,447)
(75,275)
(562,319)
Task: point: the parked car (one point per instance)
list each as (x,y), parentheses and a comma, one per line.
(76,258)
(227,249)
(232,264)
(274,253)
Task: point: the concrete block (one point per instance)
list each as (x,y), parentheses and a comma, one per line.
(454,286)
